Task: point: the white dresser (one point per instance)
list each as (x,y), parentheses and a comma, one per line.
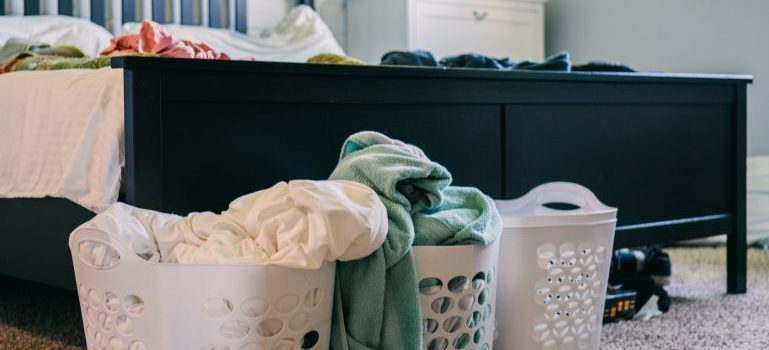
(499,28)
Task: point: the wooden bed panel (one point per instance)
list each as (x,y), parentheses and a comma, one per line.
(654,162)
(247,147)
(352,84)
(35,235)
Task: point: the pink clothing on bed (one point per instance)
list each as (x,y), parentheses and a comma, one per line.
(153,38)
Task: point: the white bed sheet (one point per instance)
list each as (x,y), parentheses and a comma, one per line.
(61,135)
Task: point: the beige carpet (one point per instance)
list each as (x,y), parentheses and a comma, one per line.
(702,316)
(34,317)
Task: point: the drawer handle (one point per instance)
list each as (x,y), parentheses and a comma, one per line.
(480,15)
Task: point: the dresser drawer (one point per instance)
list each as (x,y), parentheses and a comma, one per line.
(493,28)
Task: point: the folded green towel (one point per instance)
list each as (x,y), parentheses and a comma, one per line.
(377,300)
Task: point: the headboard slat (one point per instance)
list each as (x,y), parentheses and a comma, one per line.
(146,9)
(115,9)
(65,7)
(31,7)
(215,13)
(232,14)
(83,8)
(204,6)
(129,11)
(97,12)
(241,13)
(159,11)
(188,11)
(176,11)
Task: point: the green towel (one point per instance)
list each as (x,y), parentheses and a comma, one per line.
(57,63)
(17,48)
(376,304)
(330,58)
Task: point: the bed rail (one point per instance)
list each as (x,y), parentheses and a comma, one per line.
(113,13)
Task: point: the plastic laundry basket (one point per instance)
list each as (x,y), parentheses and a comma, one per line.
(457,287)
(553,268)
(129,303)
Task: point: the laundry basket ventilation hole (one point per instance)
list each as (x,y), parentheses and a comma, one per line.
(287,314)
(217,307)
(110,321)
(254,307)
(313,298)
(430,286)
(458,309)
(269,327)
(97,254)
(310,339)
(569,294)
(287,303)
(299,322)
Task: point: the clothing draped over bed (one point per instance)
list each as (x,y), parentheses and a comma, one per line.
(61,135)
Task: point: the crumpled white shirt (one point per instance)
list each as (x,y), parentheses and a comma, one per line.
(299,224)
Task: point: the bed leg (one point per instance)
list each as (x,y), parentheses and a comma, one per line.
(736,261)
(736,241)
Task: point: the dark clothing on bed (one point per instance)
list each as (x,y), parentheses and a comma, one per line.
(419,58)
(599,66)
(560,62)
(474,60)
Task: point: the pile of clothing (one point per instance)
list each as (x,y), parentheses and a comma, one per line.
(377,301)
(299,224)
(23,54)
(152,40)
(560,62)
(383,197)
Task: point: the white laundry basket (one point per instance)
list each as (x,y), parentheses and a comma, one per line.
(132,304)
(457,291)
(553,269)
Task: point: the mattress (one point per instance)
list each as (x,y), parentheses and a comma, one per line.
(61,135)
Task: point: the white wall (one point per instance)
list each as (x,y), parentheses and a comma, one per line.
(264,14)
(333,13)
(714,36)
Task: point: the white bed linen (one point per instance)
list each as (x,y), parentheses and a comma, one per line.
(299,36)
(56,30)
(61,135)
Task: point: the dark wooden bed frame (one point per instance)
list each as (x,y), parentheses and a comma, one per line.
(669,150)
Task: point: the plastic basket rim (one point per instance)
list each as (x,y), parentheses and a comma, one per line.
(540,225)
(456,247)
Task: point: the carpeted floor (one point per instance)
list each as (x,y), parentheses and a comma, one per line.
(702,316)
(34,317)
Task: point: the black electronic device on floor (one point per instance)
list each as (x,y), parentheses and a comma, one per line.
(620,305)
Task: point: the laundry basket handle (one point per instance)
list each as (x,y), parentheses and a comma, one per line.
(567,193)
(107,241)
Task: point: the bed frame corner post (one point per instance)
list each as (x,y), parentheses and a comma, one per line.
(143,139)
(736,251)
